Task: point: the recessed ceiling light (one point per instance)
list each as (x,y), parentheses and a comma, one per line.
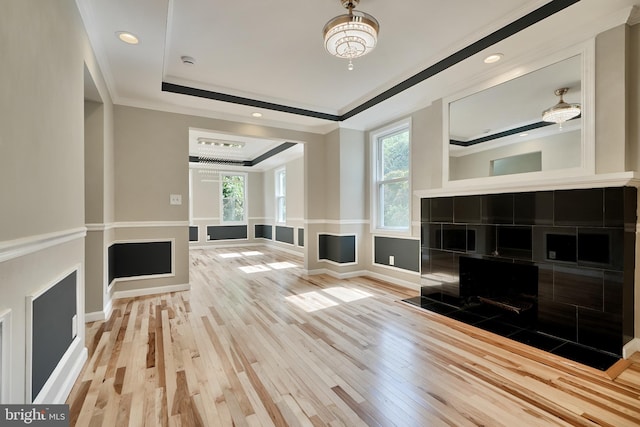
(127,37)
(220,143)
(256,114)
(495,57)
(523,134)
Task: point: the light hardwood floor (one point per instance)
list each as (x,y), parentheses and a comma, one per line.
(258,343)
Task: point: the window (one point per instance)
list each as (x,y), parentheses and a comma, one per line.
(392,193)
(281,193)
(234,198)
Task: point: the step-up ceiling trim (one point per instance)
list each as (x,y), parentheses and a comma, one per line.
(508,30)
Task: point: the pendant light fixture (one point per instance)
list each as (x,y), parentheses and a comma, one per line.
(562,111)
(351,35)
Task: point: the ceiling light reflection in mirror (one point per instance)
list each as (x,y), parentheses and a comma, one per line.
(504,121)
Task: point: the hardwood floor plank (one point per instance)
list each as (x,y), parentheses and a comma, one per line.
(279,348)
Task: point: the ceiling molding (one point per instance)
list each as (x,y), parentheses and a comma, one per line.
(247,163)
(508,30)
(218,96)
(634,16)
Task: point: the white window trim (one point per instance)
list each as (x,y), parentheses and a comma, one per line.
(278,196)
(374,200)
(5,356)
(246,198)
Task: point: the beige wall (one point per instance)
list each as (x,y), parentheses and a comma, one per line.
(41,166)
(315,159)
(426,155)
(42,173)
(353,180)
(295,189)
(332,179)
(633,98)
(610,100)
(151,163)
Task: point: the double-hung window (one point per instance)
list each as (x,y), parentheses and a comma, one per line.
(233,197)
(391,148)
(281,195)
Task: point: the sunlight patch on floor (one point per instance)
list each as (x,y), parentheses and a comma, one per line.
(231,255)
(346,294)
(281,265)
(314,300)
(261,268)
(311,301)
(254,268)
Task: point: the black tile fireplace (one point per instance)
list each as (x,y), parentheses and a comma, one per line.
(554,268)
(507,285)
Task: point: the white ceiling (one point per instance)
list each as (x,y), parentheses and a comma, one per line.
(272,51)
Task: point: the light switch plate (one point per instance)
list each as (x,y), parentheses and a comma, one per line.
(175,199)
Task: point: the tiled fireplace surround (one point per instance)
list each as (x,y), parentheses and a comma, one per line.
(581,241)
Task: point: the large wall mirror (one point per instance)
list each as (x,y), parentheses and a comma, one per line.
(497,133)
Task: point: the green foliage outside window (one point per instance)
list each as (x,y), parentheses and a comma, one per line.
(394,180)
(233,187)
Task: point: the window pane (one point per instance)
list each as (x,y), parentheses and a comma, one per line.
(280,183)
(395,204)
(233,210)
(282,209)
(233,198)
(394,153)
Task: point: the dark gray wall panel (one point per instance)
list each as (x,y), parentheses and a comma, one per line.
(406,252)
(132,259)
(263,231)
(227,232)
(284,234)
(341,249)
(193,233)
(52,315)
(300,236)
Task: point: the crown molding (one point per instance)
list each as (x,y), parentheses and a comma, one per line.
(634,16)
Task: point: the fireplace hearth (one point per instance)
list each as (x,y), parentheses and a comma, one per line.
(554,265)
(507,285)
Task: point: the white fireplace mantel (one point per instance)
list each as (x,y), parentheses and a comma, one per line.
(621,179)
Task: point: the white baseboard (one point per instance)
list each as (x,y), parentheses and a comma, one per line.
(65,373)
(214,245)
(347,275)
(290,251)
(151,291)
(98,316)
(394,281)
(95,316)
(630,348)
(70,380)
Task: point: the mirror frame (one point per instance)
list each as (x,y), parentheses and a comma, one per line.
(509,72)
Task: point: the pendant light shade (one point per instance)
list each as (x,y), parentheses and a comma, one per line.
(351,35)
(562,111)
